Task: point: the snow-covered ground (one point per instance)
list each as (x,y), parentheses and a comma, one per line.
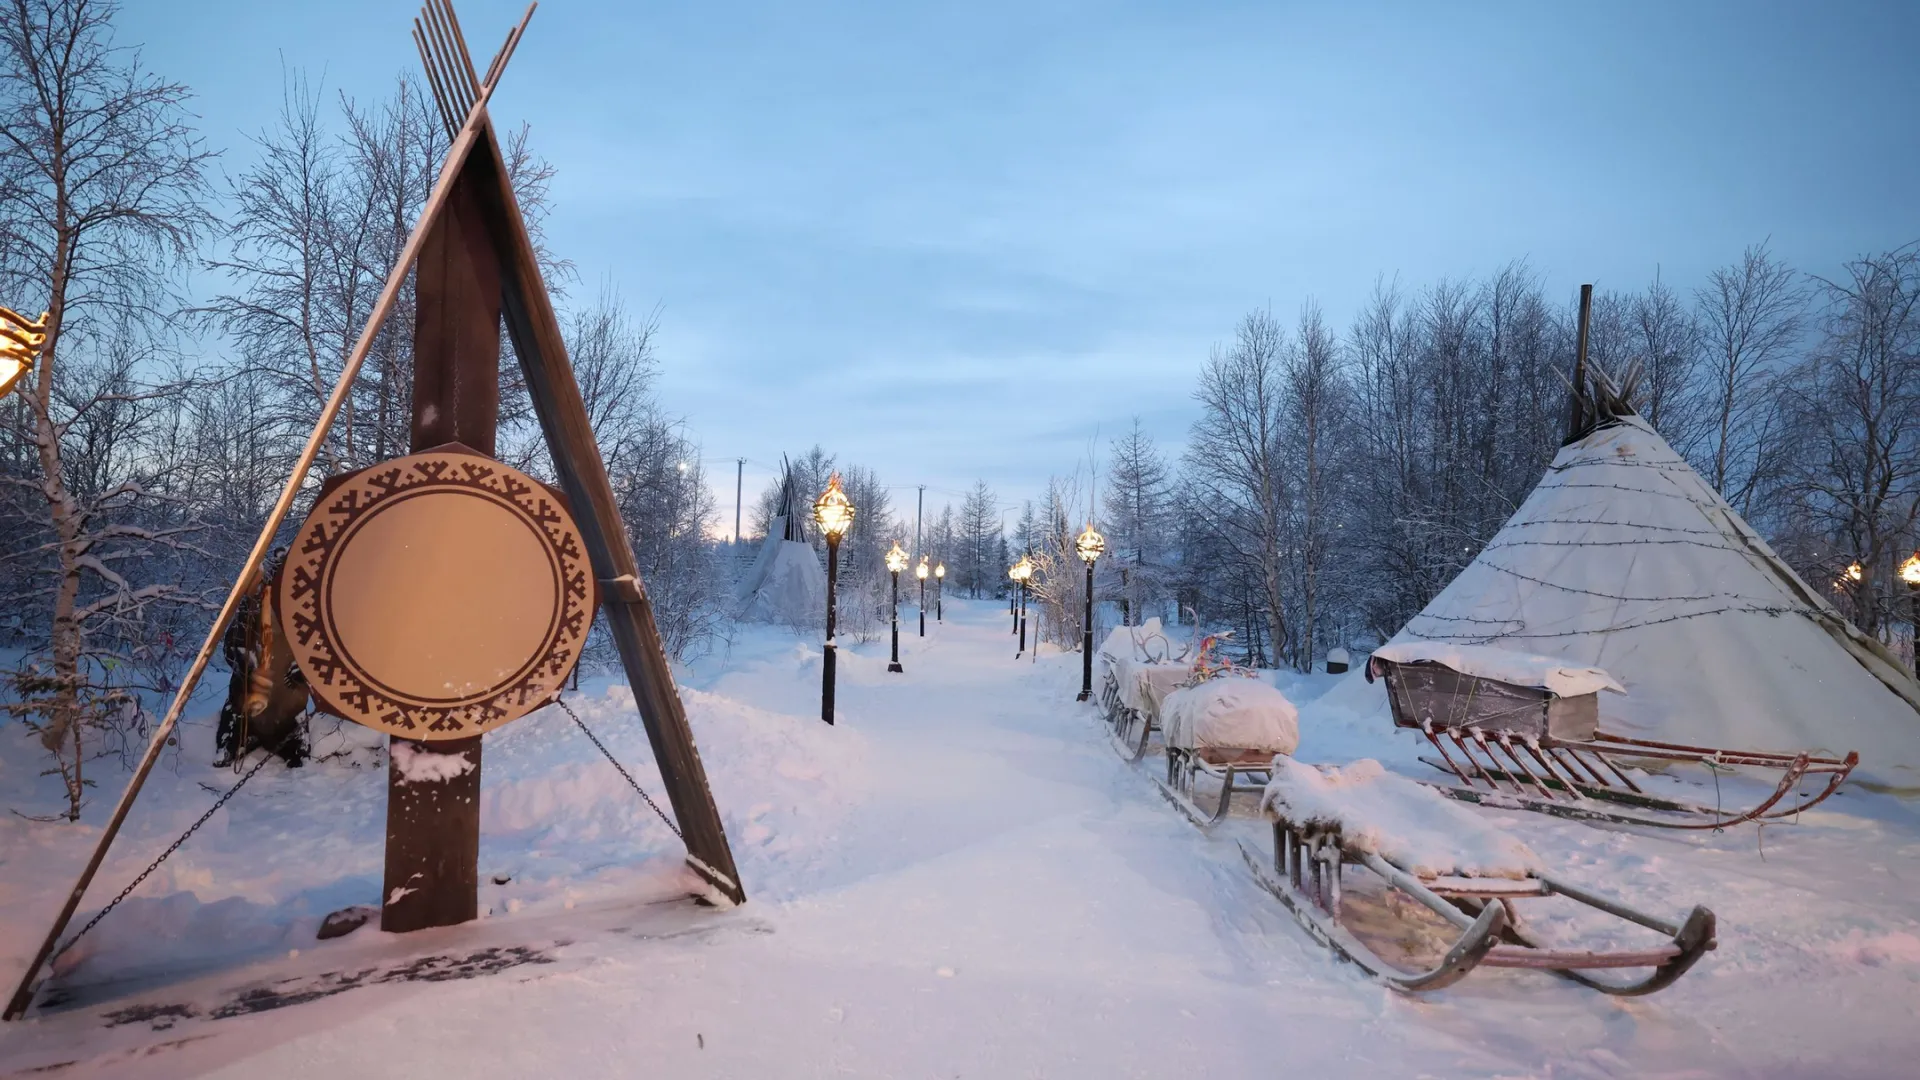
(958,880)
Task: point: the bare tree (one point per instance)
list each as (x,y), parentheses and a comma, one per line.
(1667,343)
(1316,407)
(1749,316)
(103,183)
(1234,458)
(1856,412)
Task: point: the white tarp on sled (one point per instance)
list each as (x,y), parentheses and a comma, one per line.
(1231,712)
(1408,824)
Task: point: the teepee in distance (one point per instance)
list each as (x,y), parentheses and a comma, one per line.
(785,584)
(1625,558)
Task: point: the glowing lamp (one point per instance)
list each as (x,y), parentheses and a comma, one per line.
(922,571)
(20,343)
(1090,544)
(1022,570)
(940,571)
(833,510)
(1853,572)
(1910,570)
(897,558)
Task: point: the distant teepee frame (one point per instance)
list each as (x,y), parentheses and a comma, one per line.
(475,177)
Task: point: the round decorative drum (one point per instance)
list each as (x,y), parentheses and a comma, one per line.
(436,596)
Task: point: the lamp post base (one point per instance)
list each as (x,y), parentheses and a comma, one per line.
(1083,696)
(895,666)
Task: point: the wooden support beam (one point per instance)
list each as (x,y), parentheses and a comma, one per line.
(433,826)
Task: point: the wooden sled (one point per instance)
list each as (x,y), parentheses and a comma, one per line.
(1305,874)
(1526,748)
(1240,771)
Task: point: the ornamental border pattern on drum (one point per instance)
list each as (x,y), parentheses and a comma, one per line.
(354,696)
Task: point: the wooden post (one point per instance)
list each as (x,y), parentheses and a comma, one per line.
(1579,396)
(433,826)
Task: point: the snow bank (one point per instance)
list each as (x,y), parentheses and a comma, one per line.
(1231,712)
(558,825)
(1521,669)
(1407,824)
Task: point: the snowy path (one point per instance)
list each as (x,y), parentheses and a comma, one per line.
(1004,897)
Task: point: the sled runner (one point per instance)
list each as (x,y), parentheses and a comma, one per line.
(1523,732)
(1224,729)
(1450,863)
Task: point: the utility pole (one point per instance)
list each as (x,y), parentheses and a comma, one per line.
(739,479)
(919,505)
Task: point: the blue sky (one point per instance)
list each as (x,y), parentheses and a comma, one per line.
(986,231)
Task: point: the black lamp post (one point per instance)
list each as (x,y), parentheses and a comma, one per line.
(1022,571)
(896,562)
(921,571)
(1088,547)
(1910,573)
(939,589)
(834,512)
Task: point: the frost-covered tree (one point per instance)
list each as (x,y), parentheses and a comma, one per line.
(1138,505)
(977,568)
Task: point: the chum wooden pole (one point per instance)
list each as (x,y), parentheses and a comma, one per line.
(534,329)
(433,825)
(463,144)
(1576,412)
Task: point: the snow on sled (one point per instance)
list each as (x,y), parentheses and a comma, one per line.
(1139,671)
(1464,876)
(1523,731)
(1224,730)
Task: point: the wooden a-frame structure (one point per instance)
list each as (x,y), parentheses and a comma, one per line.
(477,268)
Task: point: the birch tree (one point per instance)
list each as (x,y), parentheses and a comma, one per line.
(101,204)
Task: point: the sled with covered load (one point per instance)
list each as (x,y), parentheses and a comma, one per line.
(1222,730)
(1434,866)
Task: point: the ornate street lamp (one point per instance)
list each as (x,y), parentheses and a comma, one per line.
(1088,547)
(20,343)
(921,571)
(896,562)
(939,589)
(834,513)
(1021,573)
(1910,573)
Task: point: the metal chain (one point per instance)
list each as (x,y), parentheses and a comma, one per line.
(173,847)
(635,784)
